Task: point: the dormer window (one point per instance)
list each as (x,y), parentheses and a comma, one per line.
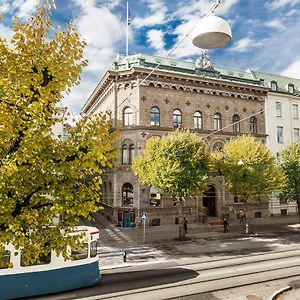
(274,86)
(291,88)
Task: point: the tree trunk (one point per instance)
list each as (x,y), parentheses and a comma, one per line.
(180,218)
(298,206)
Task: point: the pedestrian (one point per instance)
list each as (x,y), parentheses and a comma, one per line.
(225,225)
(185,225)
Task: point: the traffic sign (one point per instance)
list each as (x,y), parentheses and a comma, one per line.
(144,215)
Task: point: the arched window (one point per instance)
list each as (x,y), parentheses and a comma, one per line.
(154,116)
(124,154)
(127,194)
(177,121)
(127,116)
(236,123)
(274,86)
(217,121)
(253,124)
(198,120)
(131,153)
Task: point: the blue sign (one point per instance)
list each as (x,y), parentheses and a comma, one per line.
(144,201)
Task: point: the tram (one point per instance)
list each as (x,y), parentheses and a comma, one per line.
(54,274)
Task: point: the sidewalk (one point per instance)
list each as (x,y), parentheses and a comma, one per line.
(168,233)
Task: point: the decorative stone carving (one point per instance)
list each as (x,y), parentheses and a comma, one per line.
(203,62)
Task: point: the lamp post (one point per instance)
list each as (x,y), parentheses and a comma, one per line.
(243,219)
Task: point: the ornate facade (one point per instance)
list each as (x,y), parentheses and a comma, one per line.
(152,96)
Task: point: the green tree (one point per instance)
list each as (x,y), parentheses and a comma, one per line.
(42,177)
(176,164)
(250,170)
(291,166)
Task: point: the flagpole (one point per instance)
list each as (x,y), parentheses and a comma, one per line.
(127,19)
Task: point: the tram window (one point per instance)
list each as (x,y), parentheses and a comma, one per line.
(93,247)
(42,260)
(82,253)
(5,260)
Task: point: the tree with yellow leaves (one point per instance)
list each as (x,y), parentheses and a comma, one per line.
(42,177)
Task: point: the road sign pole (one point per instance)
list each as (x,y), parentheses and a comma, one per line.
(144,230)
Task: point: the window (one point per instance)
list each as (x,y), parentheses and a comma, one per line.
(296,135)
(93,249)
(253,124)
(127,194)
(177,118)
(279,134)
(42,260)
(131,153)
(274,86)
(217,121)
(155,197)
(291,88)
(154,116)
(127,116)
(197,120)
(236,123)
(5,260)
(125,158)
(278,109)
(81,253)
(295,111)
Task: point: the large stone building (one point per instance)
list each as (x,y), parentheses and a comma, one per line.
(282,125)
(151,96)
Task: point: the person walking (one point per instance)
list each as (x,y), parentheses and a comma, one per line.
(185,225)
(225,225)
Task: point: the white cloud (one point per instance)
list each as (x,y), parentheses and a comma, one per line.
(4,7)
(156,39)
(276,23)
(277,4)
(24,8)
(245,45)
(156,17)
(293,70)
(6,32)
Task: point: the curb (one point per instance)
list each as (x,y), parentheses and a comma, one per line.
(278,293)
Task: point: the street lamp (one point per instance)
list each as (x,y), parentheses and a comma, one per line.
(212,31)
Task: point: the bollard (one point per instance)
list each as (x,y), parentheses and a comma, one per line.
(124,255)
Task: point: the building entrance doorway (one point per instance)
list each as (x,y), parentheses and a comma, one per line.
(209,201)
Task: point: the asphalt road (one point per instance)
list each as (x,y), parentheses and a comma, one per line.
(205,269)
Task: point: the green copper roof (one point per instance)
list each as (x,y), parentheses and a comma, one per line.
(184,67)
(282,81)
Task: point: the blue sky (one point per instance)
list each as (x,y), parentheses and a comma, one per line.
(266,34)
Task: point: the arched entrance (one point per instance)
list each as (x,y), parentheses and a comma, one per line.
(209,201)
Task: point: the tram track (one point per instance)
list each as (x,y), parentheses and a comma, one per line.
(223,275)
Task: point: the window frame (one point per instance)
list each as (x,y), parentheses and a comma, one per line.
(278,109)
(236,125)
(291,88)
(198,120)
(296,134)
(177,118)
(274,86)
(253,124)
(279,134)
(127,192)
(130,153)
(217,121)
(295,111)
(125,154)
(127,116)
(154,116)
